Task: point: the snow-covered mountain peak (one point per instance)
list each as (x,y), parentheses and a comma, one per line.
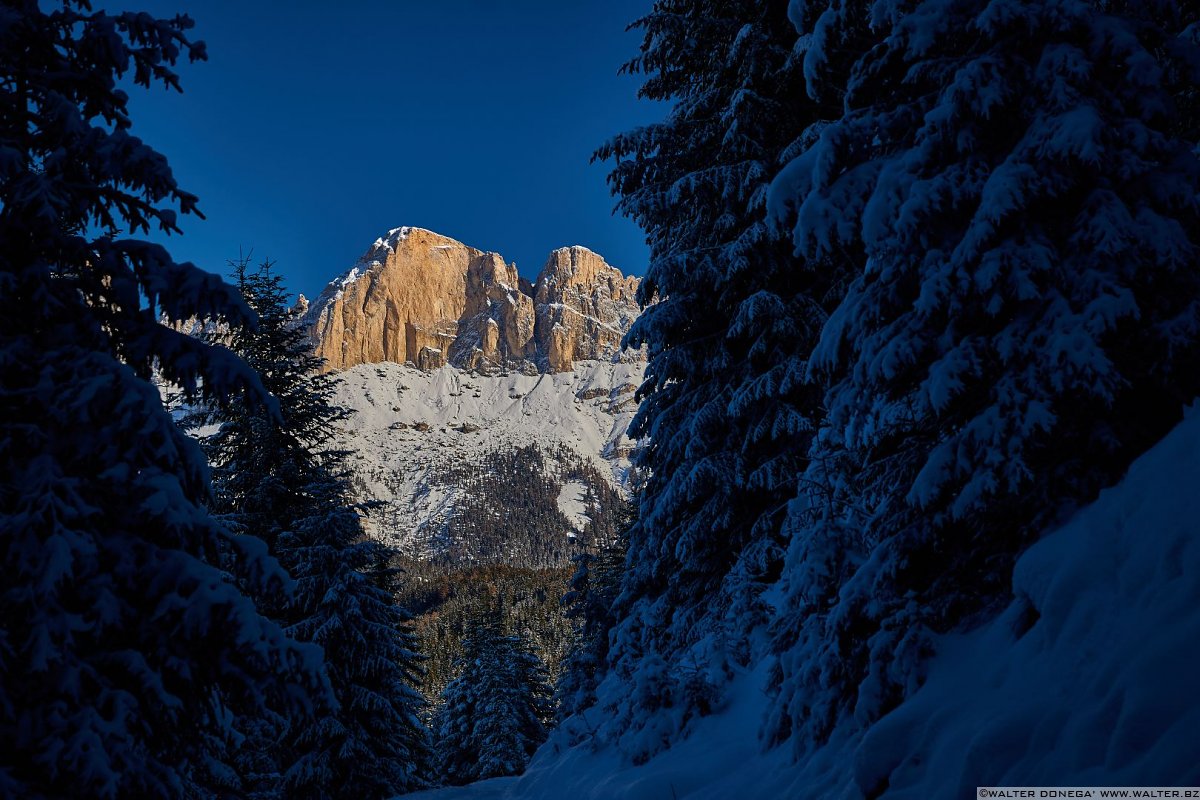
(392,238)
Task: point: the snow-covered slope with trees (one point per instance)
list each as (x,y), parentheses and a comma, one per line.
(421,438)
(1086,678)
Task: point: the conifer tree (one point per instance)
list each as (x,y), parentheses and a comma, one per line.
(126,651)
(1015,184)
(494,713)
(726,410)
(279,478)
(589,605)
(375,744)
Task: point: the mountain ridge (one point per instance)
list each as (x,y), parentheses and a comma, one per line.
(416,296)
(452,364)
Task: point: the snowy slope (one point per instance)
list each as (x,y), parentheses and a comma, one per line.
(1088,678)
(410,428)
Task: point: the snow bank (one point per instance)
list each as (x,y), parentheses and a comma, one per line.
(720,761)
(1087,678)
(1090,676)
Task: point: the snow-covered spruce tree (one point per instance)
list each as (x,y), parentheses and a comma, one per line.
(278,477)
(589,606)
(494,713)
(125,651)
(726,408)
(374,745)
(1020,182)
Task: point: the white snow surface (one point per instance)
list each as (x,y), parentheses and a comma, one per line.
(396,462)
(572,502)
(393,237)
(1087,678)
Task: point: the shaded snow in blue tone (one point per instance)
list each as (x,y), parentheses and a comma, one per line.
(1087,678)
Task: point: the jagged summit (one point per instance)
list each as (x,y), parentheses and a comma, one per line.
(388,241)
(584,307)
(418,296)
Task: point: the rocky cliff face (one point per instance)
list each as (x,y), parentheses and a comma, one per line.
(417,296)
(584,307)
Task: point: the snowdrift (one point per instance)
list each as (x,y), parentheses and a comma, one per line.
(1089,677)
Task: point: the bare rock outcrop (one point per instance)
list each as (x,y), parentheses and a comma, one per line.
(374,313)
(300,309)
(496,329)
(584,307)
(417,296)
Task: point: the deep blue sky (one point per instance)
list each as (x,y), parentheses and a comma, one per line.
(314,127)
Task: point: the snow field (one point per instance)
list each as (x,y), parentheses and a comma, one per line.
(409,425)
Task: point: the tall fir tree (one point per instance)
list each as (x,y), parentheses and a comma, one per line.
(125,649)
(588,604)
(726,410)
(278,477)
(1015,185)
(494,713)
